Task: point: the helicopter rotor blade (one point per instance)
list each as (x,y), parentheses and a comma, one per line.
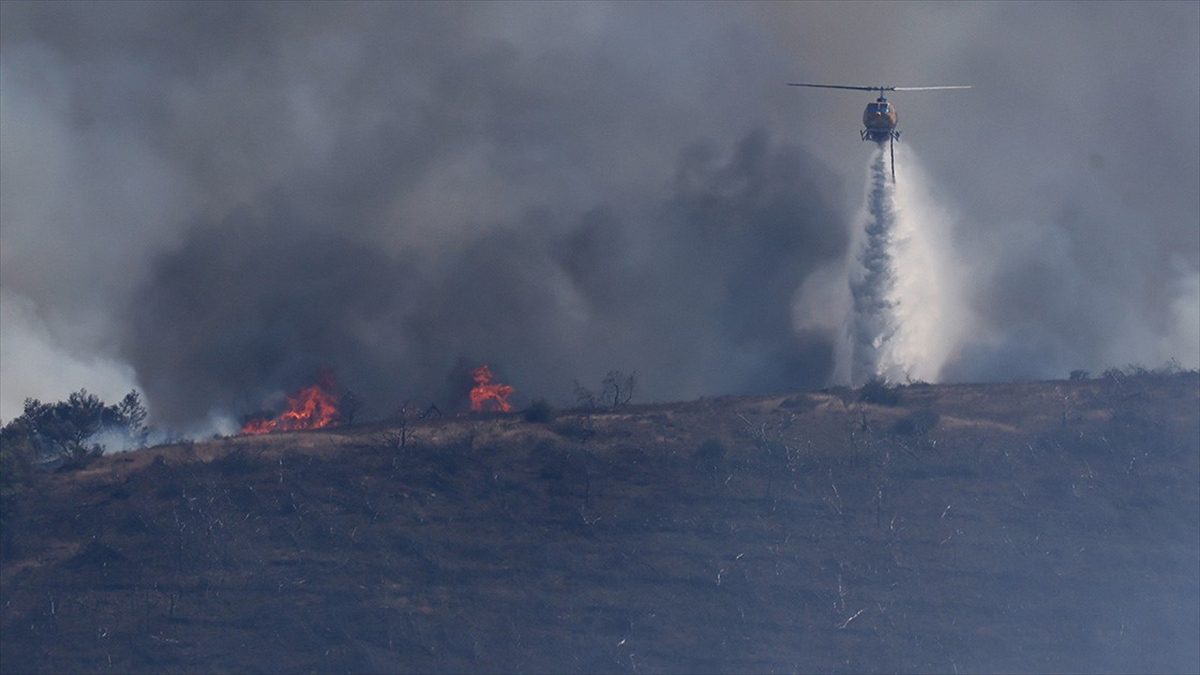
(880,89)
(836,86)
(949,86)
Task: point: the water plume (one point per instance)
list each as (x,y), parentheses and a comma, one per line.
(908,317)
(873,324)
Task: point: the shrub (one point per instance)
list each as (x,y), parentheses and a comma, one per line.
(585,398)
(79,455)
(16,460)
(575,429)
(540,411)
(349,404)
(617,387)
(801,403)
(710,454)
(61,431)
(393,440)
(878,391)
(916,423)
(238,462)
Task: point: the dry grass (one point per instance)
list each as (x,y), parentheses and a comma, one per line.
(1035,527)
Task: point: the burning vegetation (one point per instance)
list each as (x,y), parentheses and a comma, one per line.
(313,407)
(318,406)
(488,396)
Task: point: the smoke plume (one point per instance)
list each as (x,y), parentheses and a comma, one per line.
(213,202)
(691,290)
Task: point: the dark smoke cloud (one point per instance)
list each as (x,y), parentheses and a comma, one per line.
(691,291)
(228,197)
(391,190)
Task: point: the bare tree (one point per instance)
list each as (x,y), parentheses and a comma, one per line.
(617,387)
(403,431)
(349,405)
(584,397)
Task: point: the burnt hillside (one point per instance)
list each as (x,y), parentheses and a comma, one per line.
(1010,527)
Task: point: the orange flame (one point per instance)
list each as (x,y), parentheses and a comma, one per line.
(313,407)
(488,396)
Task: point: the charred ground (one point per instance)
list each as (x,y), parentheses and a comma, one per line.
(1009,527)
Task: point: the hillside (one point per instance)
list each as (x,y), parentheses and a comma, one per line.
(1050,526)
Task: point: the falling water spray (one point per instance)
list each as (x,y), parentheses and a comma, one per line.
(873,321)
(907,316)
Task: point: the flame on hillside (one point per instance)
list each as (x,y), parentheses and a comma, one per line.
(488,396)
(313,407)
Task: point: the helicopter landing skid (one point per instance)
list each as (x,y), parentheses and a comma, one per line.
(879,136)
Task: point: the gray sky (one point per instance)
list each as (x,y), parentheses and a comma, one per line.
(211,201)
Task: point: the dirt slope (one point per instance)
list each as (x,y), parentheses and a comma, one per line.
(1010,527)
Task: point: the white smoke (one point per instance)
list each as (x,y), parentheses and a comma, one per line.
(36,365)
(931,312)
(1182,341)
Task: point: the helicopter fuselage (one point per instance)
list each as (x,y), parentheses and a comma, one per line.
(879,120)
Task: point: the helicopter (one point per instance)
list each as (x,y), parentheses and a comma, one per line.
(879,119)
